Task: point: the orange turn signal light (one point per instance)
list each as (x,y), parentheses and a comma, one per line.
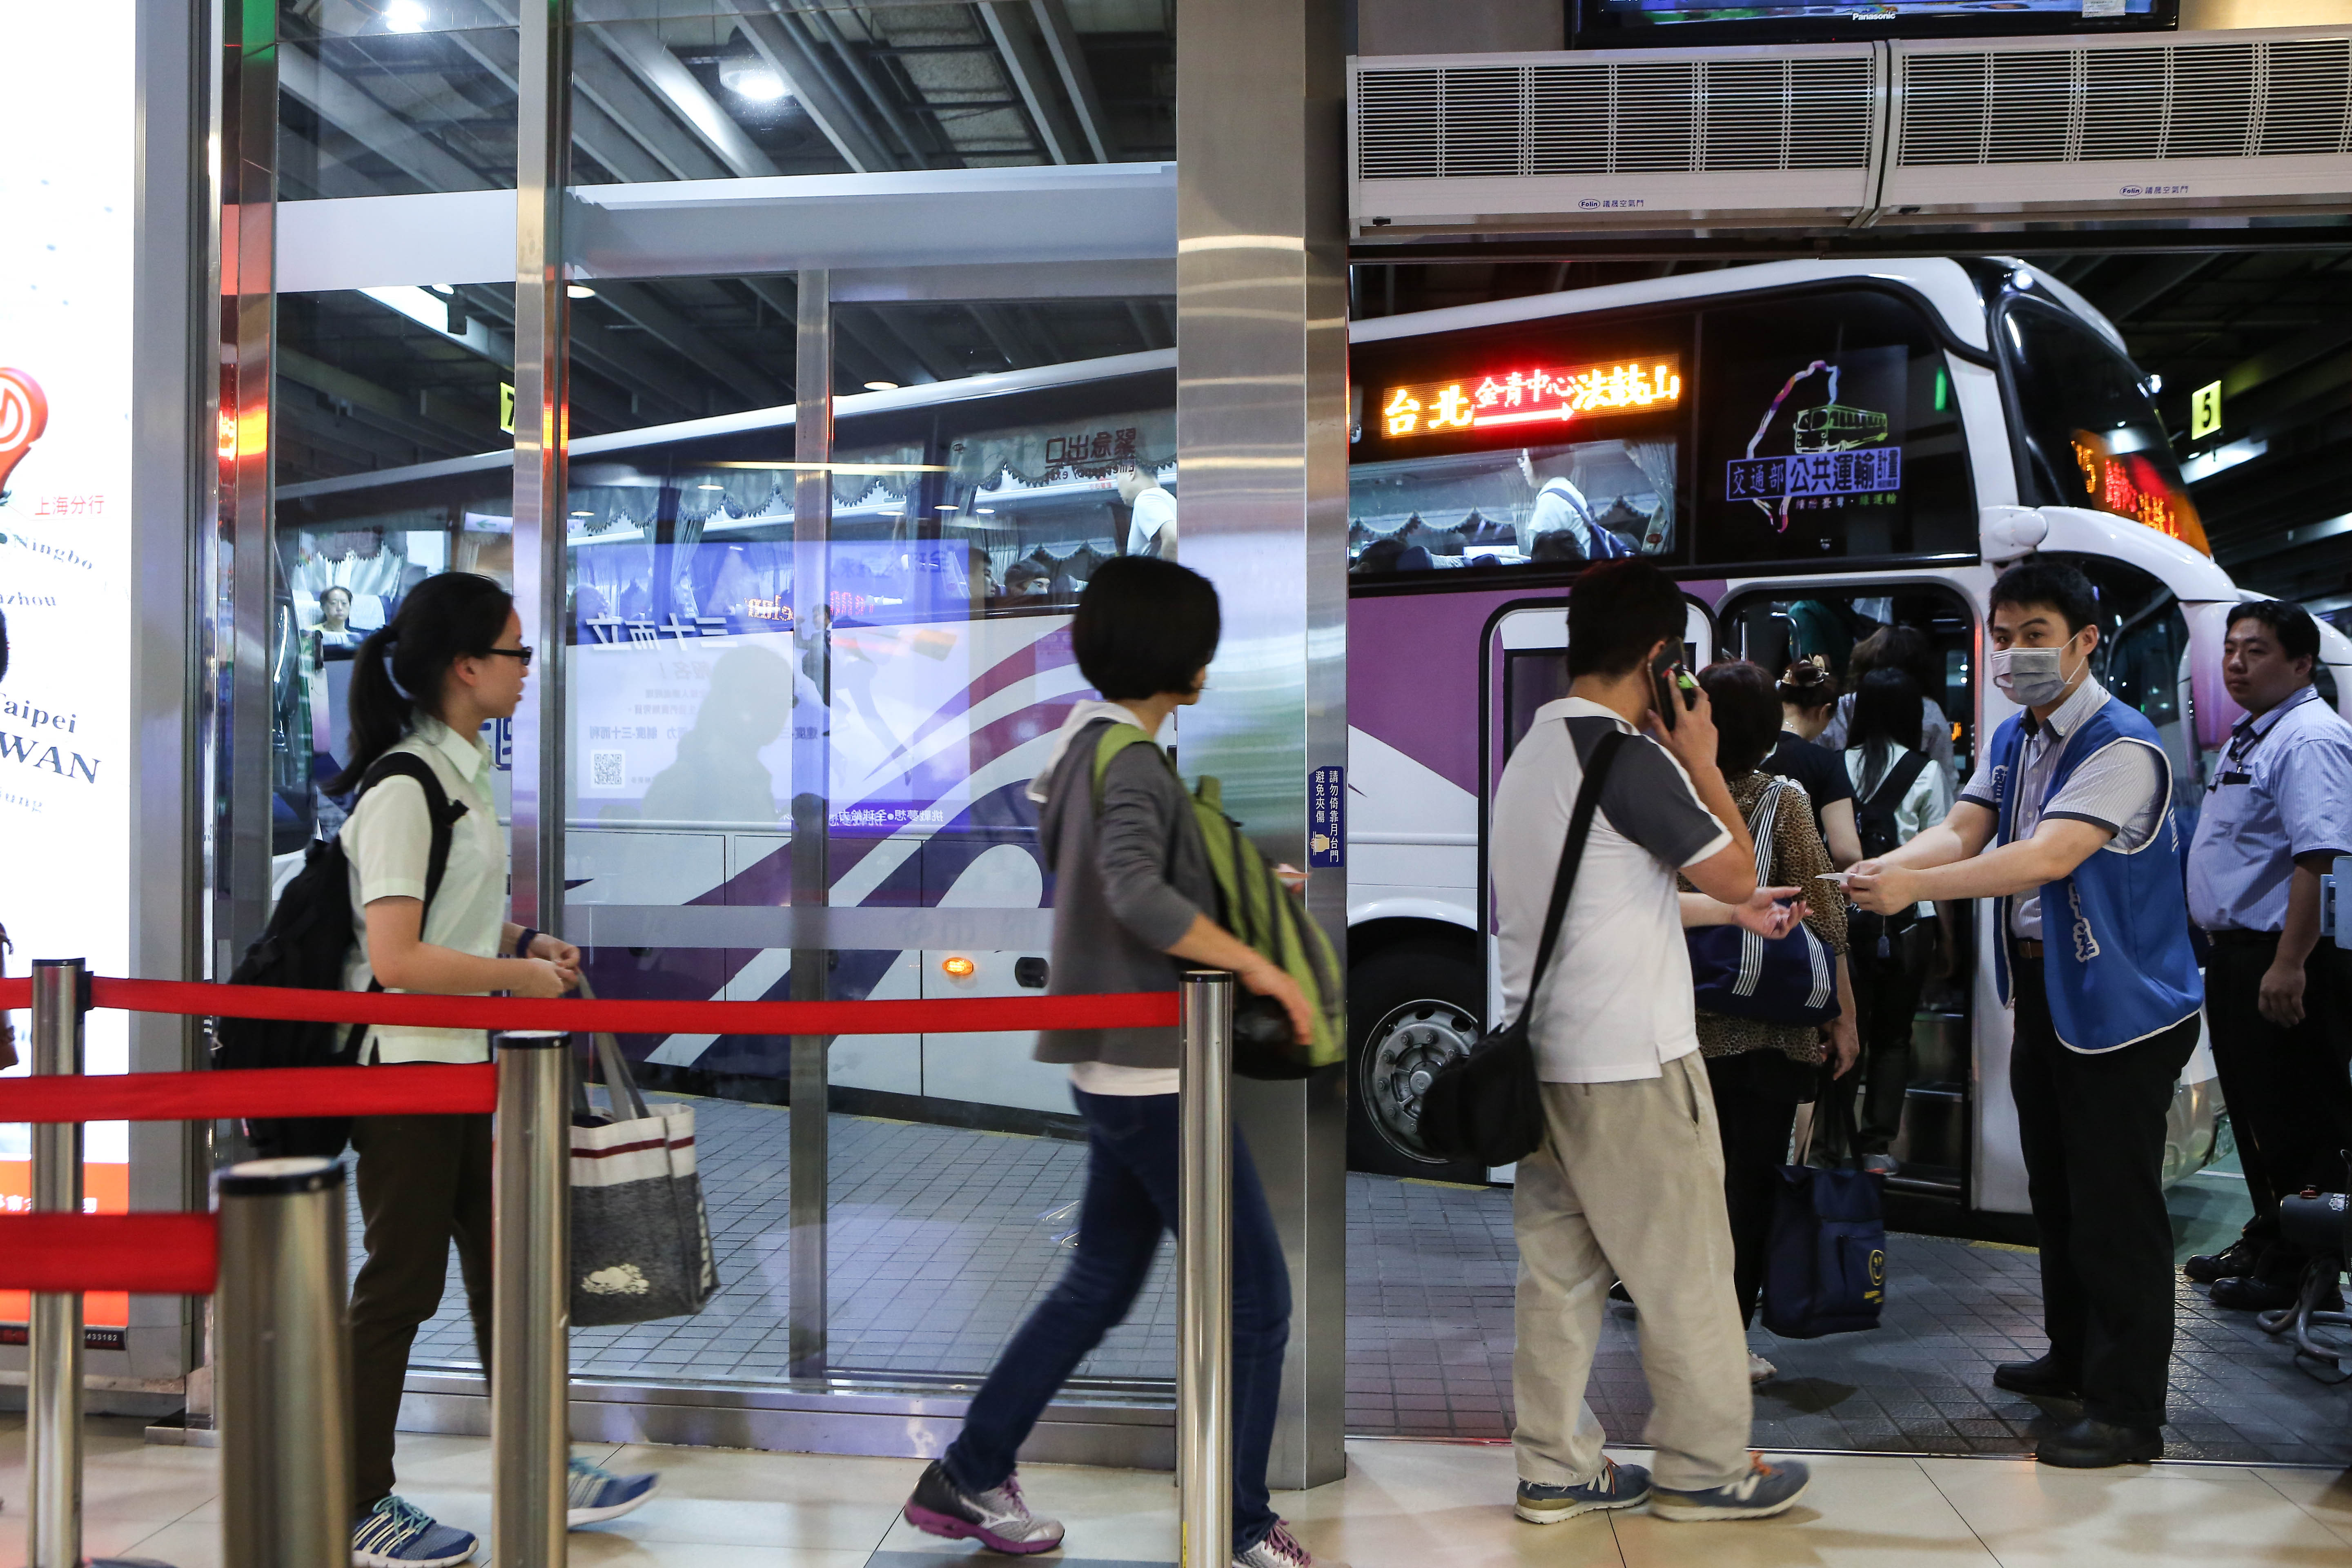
(959,967)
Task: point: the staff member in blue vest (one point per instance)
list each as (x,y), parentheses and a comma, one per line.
(2073,798)
(2275,817)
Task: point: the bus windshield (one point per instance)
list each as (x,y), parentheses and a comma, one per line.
(2092,438)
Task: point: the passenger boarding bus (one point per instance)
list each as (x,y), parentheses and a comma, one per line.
(1814,450)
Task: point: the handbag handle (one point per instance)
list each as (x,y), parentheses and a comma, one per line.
(1571,854)
(613,1068)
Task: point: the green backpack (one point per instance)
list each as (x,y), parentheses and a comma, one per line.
(1253,904)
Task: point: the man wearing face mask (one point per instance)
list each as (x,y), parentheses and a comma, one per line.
(2065,823)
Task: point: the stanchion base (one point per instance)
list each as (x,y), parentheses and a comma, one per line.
(125,1562)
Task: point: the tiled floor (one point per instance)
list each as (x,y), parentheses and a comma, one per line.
(1402,1505)
(942,1238)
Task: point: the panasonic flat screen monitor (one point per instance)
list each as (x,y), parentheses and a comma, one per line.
(1633,23)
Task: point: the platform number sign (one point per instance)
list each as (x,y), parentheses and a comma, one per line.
(1326,819)
(2205,410)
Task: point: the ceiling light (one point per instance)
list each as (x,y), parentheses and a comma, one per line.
(881,386)
(950,509)
(405,16)
(579,291)
(583,514)
(748,75)
(2205,465)
(710,486)
(986,511)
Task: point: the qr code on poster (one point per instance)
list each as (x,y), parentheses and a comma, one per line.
(605,769)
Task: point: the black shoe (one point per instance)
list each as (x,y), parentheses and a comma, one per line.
(2232,1262)
(1617,1293)
(2041,1377)
(2248,1293)
(2091,1444)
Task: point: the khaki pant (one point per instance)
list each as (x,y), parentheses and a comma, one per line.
(1629,1184)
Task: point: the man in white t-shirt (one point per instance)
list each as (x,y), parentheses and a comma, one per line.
(1629,1182)
(1151,516)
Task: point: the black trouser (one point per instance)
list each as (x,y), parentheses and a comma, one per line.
(2092,1131)
(1756,1097)
(1886,996)
(2288,1092)
(424,1182)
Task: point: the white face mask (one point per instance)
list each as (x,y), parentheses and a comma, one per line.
(2031,677)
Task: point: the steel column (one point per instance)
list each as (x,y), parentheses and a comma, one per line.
(541,433)
(530,1307)
(1204,1248)
(285,1387)
(53,1390)
(1262,453)
(812,810)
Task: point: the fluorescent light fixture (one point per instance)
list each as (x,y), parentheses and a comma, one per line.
(840,468)
(583,514)
(2205,465)
(579,291)
(405,16)
(422,306)
(986,511)
(752,77)
(710,486)
(950,509)
(881,386)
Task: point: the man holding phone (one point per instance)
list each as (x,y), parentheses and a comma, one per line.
(2067,823)
(1628,1181)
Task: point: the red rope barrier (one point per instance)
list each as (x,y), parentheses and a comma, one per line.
(145,1254)
(420,1090)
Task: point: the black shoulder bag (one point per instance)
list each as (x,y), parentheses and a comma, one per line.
(1486,1105)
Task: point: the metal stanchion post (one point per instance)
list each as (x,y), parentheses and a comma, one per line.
(530,1312)
(285,1378)
(1204,1236)
(53,1395)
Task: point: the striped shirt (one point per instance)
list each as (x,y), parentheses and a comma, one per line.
(2122,789)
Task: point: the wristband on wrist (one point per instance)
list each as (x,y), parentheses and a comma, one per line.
(522,943)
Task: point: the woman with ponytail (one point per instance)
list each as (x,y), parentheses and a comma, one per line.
(426,684)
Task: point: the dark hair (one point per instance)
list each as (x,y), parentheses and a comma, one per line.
(1808,685)
(1617,612)
(1893,648)
(1886,716)
(2297,632)
(1144,627)
(443,619)
(335,588)
(1746,714)
(2054,584)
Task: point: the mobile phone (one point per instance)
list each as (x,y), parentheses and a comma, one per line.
(1676,690)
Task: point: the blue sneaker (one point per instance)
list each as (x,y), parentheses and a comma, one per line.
(1763,1491)
(1617,1486)
(396,1533)
(599,1494)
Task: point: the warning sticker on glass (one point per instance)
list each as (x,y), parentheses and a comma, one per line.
(1326,819)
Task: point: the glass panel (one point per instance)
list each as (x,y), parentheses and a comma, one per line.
(1828,431)
(973,490)
(671,89)
(394,97)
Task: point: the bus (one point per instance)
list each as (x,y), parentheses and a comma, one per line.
(1813,449)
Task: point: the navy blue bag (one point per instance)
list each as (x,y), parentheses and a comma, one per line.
(1791,980)
(1825,1265)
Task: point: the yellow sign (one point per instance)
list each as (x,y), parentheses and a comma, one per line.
(506,408)
(2205,410)
(1546,394)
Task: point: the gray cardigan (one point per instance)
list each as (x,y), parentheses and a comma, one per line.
(1127,884)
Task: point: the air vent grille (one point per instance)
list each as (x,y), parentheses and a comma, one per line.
(1606,117)
(2143,102)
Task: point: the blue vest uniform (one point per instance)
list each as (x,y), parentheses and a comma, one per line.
(2115,955)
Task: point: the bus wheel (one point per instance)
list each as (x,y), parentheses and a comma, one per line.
(1415,1007)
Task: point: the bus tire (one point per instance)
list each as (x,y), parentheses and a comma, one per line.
(1410,1006)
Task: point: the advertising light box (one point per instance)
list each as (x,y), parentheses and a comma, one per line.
(68,115)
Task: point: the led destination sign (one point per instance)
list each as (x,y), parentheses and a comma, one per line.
(1539,396)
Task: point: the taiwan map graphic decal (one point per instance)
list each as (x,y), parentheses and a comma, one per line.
(1839,453)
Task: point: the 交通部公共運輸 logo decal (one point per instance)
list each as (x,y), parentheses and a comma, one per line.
(23,414)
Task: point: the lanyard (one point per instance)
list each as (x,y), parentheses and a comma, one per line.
(2249,738)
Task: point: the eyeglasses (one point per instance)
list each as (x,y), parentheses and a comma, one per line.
(522,653)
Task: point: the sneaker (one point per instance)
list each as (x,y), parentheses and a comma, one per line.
(396,1533)
(2232,1262)
(1881,1164)
(1277,1548)
(1759,1370)
(596,1495)
(1763,1491)
(1617,1486)
(997,1518)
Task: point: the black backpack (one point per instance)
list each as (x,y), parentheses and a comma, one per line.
(304,947)
(1874,824)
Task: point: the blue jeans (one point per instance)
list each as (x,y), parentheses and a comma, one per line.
(1131,1143)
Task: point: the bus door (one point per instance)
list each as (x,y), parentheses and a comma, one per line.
(1526,666)
(1955,1137)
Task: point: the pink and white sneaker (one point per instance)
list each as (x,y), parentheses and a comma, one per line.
(998,1518)
(1278,1549)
